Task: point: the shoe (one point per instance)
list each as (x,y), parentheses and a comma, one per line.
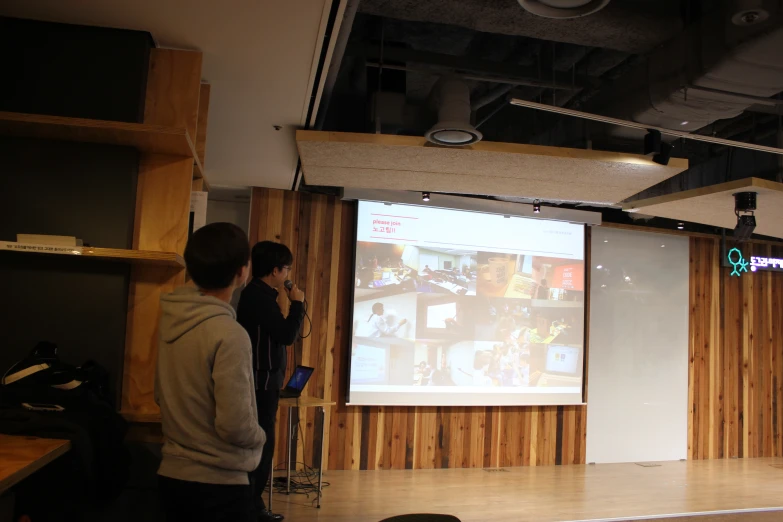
(265,515)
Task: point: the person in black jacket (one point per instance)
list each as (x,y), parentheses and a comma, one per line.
(270,333)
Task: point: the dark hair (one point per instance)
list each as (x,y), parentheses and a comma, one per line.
(268,255)
(376,308)
(215,253)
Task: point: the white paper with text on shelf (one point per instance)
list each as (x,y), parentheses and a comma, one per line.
(40,249)
(198,209)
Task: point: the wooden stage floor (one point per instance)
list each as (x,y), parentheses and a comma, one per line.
(553,493)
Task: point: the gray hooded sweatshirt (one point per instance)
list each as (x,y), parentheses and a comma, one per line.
(204,386)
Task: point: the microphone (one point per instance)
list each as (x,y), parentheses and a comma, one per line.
(288,284)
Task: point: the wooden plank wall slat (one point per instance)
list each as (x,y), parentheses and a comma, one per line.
(320,230)
(736,356)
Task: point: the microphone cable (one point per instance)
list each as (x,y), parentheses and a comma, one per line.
(310,321)
(288,284)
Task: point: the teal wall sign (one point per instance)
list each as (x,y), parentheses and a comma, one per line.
(739,264)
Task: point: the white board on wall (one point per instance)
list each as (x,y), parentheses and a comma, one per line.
(637,395)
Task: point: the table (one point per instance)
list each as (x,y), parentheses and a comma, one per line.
(451,287)
(303,402)
(22,456)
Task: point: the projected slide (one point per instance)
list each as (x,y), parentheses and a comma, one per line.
(462,308)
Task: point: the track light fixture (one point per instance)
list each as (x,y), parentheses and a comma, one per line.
(744,207)
(536,207)
(425,196)
(654,146)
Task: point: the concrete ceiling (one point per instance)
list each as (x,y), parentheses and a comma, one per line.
(714,205)
(259,57)
(390,162)
(632,26)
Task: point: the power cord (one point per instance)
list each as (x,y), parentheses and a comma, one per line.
(305,481)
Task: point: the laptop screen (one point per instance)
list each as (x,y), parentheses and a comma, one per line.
(299,378)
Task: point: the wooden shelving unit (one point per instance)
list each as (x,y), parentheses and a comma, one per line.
(135,257)
(153,139)
(171,141)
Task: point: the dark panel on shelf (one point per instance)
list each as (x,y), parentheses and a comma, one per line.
(70,189)
(73,189)
(76,303)
(73,70)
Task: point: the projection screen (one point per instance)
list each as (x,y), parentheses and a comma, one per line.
(459,308)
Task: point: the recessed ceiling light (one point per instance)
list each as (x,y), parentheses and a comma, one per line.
(663,246)
(684,123)
(603,286)
(606,240)
(680,226)
(627,278)
(599,267)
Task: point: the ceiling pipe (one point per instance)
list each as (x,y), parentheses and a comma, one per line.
(510,80)
(780,159)
(451,96)
(490,96)
(469,68)
(563,9)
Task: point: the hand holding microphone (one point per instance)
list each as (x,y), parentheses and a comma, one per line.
(293,291)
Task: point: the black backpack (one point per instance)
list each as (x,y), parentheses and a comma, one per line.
(41,382)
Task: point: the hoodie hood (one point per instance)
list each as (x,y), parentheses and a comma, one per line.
(185,308)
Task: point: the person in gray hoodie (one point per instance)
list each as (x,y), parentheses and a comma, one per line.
(204,386)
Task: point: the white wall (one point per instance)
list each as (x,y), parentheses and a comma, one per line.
(229,205)
(410,257)
(236,212)
(637,396)
(427,256)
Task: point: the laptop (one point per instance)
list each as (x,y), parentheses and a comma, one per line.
(297,382)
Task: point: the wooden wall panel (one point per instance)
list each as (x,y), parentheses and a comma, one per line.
(201,125)
(161,221)
(736,348)
(320,231)
(161,224)
(173,88)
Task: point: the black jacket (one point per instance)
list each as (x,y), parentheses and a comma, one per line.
(270,332)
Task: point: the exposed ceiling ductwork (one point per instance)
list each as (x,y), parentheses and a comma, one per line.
(713,71)
(688,65)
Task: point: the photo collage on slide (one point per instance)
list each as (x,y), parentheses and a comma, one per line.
(450,317)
